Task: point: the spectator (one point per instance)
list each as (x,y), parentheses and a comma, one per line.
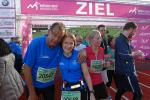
(11,83)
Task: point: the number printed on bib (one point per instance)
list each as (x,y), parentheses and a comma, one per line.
(97,65)
(71,95)
(45,75)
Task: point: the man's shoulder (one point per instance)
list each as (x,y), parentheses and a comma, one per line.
(37,40)
(119,38)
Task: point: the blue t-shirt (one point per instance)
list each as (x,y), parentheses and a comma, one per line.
(15,47)
(43,61)
(71,68)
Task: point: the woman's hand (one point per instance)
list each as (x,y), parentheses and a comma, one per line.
(92,97)
(82,56)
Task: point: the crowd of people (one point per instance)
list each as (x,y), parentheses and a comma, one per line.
(87,70)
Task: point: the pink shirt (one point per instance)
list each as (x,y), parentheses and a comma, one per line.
(96,77)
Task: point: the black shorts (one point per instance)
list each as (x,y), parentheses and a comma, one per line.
(47,93)
(100,91)
(110,76)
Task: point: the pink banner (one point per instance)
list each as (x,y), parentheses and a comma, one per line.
(141,40)
(26,34)
(79,8)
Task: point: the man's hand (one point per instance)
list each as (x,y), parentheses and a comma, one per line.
(33,96)
(138,54)
(82,56)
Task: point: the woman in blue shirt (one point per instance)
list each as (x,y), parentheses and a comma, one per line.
(73,72)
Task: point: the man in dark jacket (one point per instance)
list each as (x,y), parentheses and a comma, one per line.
(126,79)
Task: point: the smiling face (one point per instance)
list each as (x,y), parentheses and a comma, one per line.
(55,34)
(68,44)
(54,37)
(95,38)
(131,33)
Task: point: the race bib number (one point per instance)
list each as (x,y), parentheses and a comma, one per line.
(97,65)
(45,75)
(71,95)
(112,64)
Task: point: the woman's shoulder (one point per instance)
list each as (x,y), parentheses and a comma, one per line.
(7,57)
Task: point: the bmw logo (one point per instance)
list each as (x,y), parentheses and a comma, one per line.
(5,2)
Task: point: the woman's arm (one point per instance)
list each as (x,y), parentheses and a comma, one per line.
(88,80)
(2,70)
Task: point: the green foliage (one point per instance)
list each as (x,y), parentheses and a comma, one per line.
(39,33)
(81,30)
(114,31)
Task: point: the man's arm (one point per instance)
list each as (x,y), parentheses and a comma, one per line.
(28,79)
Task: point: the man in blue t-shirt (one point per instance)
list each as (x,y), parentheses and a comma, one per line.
(17,51)
(126,79)
(40,62)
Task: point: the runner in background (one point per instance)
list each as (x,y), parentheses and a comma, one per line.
(15,46)
(79,40)
(126,77)
(102,29)
(95,58)
(73,72)
(110,70)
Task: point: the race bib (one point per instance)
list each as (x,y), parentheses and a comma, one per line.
(112,64)
(71,95)
(45,75)
(97,65)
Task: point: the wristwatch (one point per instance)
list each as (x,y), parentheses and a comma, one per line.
(91,91)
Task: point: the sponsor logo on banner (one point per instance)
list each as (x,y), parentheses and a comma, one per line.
(34,6)
(5,2)
(133,11)
(139,11)
(40,6)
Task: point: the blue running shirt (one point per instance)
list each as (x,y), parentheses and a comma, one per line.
(43,61)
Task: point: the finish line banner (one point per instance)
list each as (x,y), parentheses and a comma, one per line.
(83,8)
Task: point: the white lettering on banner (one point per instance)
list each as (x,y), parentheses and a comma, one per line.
(144,47)
(83,5)
(100,9)
(108,10)
(144,34)
(134,41)
(145,27)
(144,41)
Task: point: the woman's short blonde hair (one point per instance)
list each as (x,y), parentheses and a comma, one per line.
(92,34)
